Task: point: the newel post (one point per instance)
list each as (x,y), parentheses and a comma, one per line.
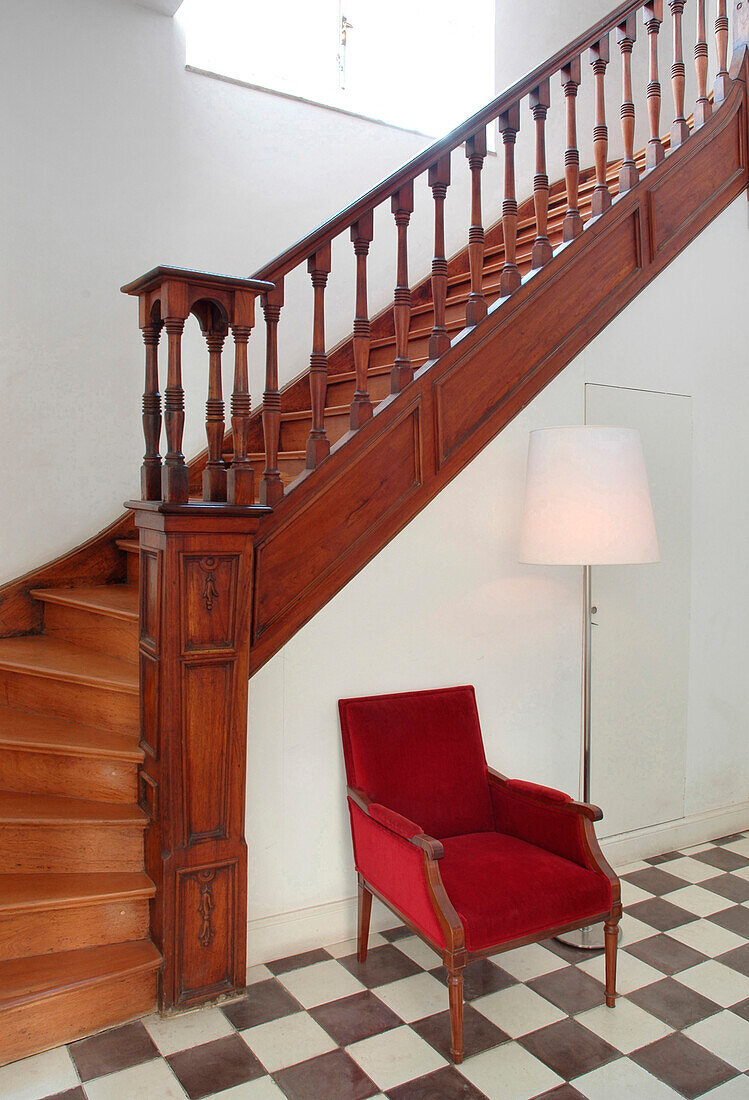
(196,584)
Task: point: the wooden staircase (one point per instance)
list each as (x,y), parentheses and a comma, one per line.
(74,897)
(93,754)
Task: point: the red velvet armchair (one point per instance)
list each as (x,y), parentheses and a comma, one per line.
(472,862)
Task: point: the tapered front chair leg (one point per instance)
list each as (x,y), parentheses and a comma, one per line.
(611,937)
(365,911)
(455,987)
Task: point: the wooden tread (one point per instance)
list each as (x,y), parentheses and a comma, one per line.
(19,893)
(130,546)
(38,655)
(120,601)
(20,729)
(44,810)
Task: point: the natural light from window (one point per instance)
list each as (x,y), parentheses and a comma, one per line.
(421,64)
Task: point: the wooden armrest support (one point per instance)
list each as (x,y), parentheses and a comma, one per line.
(545,795)
(397,824)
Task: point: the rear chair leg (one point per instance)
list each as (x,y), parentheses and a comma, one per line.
(455,987)
(611,936)
(365,910)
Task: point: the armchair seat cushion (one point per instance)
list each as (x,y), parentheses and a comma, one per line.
(504,888)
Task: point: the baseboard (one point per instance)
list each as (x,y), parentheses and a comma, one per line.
(623,848)
(282,934)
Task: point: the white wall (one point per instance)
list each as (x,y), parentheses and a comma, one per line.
(117,159)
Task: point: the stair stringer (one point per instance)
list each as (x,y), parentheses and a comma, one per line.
(377,479)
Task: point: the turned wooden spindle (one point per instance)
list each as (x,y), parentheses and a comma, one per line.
(599,59)
(476,304)
(271,485)
(653,17)
(540,101)
(214,474)
(722,79)
(240,479)
(318,444)
(703,107)
(402,204)
(626,33)
(572,226)
(362,234)
(509,280)
(174,474)
(439,181)
(150,471)
(679,129)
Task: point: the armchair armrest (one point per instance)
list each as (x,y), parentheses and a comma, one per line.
(398,824)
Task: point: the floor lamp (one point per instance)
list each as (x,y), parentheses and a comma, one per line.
(587,503)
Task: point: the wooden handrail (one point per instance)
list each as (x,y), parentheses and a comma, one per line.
(299,252)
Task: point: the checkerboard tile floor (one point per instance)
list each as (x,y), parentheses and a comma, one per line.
(319,1026)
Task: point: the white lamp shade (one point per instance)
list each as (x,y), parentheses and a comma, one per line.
(587,500)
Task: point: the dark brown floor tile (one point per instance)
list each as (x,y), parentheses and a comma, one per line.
(673,1003)
(478,1032)
(722,859)
(660,914)
(265,1001)
(666,954)
(741,1009)
(353,1018)
(444,1084)
(666,857)
(69,1094)
(570,989)
(735,919)
(330,1075)
(213,1067)
(396,933)
(729,839)
(728,886)
(738,959)
(569,1048)
(569,953)
(119,1048)
(561,1092)
(296,962)
(384,964)
(655,881)
(683,1065)
(479,979)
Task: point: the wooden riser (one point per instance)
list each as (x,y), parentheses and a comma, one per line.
(24,934)
(118,637)
(131,550)
(66,1003)
(294,432)
(114,710)
(39,772)
(70,848)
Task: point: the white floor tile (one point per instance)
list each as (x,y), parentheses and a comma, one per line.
(717,982)
(630,868)
(173,1033)
(530,961)
(321,982)
(703,903)
(415,997)
(740,847)
(350,947)
(631,894)
(634,930)
(41,1075)
(698,848)
(622,1080)
(285,1042)
(691,870)
(258,974)
(517,1010)
(626,1026)
(735,1089)
(726,1035)
(631,973)
(417,950)
(742,872)
(395,1056)
(707,937)
(149,1081)
(262,1089)
(509,1072)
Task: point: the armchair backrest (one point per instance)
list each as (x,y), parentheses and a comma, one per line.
(420,753)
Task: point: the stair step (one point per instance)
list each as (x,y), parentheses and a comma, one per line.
(103,618)
(130,546)
(41,754)
(49,833)
(132,550)
(52,999)
(55,912)
(51,676)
